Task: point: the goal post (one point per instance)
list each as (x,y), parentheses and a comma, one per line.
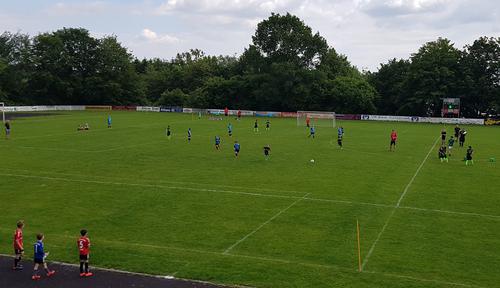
(316,118)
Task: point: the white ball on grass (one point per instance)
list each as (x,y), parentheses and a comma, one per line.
(312,160)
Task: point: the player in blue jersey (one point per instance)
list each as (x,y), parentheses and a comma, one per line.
(109,121)
(189,135)
(312,132)
(230,129)
(236,148)
(39,258)
(217,142)
(340,136)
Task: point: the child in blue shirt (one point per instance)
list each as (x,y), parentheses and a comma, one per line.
(39,258)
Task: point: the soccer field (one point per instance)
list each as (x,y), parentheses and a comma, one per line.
(169,207)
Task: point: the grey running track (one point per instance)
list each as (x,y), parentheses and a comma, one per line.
(68,276)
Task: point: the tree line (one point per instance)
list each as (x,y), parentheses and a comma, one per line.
(286,68)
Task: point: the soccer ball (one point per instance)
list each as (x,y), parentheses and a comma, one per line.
(312,160)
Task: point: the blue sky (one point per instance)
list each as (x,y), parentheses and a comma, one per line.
(369,32)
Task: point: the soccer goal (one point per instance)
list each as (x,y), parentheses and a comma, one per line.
(316,118)
(2,107)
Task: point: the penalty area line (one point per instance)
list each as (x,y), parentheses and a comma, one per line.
(263,224)
(405,191)
(245,193)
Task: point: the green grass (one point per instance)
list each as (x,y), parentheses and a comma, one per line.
(168,207)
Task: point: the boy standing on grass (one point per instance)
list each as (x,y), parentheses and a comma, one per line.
(39,258)
(236,149)
(468,156)
(461,139)
(312,132)
(189,135)
(7,129)
(169,134)
(442,154)
(267,151)
(18,246)
(451,142)
(340,136)
(394,138)
(109,121)
(256,126)
(230,129)
(443,137)
(308,122)
(217,142)
(268,125)
(84,250)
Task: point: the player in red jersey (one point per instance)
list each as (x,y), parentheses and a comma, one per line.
(18,246)
(84,249)
(394,138)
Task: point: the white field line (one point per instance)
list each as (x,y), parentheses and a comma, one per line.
(451,212)
(249,194)
(121,129)
(168,277)
(263,224)
(261,258)
(90,151)
(423,280)
(370,252)
(161,181)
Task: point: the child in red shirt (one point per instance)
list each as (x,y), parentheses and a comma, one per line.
(84,250)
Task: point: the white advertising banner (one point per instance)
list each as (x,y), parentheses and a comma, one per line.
(437,120)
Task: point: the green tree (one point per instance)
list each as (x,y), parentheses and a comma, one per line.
(15,54)
(335,65)
(481,62)
(391,83)
(350,95)
(435,73)
(285,38)
(173,98)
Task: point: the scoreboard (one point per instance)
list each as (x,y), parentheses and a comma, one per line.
(451,107)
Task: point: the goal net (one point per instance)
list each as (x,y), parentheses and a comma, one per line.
(316,118)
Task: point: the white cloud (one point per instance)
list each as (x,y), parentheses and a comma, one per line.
(367,31)
(154,37)
(78,8)
(389,8)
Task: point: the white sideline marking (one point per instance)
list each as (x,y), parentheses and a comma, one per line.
(249,194)
(397,206)
(422,279)
(162,181)
(451,212)
(90,151)
(167,277)
(263,224)
(260,258)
